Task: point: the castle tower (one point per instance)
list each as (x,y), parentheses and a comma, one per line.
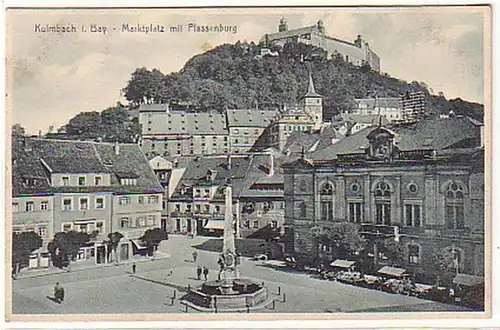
(321,27)
(312,104)
(283,25)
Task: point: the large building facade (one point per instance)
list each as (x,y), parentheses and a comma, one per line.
(357,52)
(423,182)
(90,187)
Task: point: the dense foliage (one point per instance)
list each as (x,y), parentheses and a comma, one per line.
(23,244)
(114,124)
(65,246)
(236,76)
(152,238)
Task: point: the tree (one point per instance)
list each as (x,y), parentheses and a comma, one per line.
(114,241)
(344,239)
(445,262)
(23,244)
(65,247)
(152,238)
(393,251)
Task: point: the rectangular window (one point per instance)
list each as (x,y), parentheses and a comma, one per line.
(99,203)
(383,214)
(413,255)
(206,192)
(256,224)
(65,181)
(44,205)
(207,208)
(141,221)
(326,210)
(67,204)
(82,228)
(217,209)
(125,200)
(177,207)
(355,212)
(97,181)
(30,207)
(274,224)
(81,181)
(67,226)
(41,231)
(15,207)
(141,199)
(152,199)
(99,226)
(188,208)
(84,204)
(124,222)
(151,220)
(198,208)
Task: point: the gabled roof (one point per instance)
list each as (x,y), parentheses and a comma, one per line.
(251,117)
(298,140)
(364,119)
(74,157)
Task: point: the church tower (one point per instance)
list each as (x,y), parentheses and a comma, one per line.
(312,104)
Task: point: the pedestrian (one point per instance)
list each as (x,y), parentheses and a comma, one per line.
(59,293)
(205,273)
(195,255)
(198,272)
(133,267)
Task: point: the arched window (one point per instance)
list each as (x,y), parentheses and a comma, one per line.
(413,254)
(454,205)
(326,189)
(383,204)
(326,201)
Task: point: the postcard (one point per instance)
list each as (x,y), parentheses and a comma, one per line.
(259,163)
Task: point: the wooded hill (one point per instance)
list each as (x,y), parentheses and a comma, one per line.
(237,76)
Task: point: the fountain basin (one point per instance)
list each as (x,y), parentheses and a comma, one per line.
(243,293)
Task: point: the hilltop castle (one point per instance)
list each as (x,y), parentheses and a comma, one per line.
(357,52)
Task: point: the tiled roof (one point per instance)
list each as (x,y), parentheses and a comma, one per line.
(428,134)
(188,123)
(383,102)
(63,156)
(198,168)
(297,140)
(436,133)
(250,117)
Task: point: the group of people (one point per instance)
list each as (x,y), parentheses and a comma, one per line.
(202,270)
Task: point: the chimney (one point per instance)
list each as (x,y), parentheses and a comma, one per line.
(271,164)
(39,133)
(116,147)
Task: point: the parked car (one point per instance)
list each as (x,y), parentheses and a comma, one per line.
(260,257)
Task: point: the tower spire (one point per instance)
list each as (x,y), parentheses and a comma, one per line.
(310,88)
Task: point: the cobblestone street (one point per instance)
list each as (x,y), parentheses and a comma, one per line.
(115,290)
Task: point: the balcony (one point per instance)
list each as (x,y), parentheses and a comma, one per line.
(181,213)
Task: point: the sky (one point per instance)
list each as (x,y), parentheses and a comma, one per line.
(51,77)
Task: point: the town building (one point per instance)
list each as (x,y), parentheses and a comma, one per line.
(306,117)
(246,126)
(172,133)
(388,107)
(92,187)
(197,205)
(423,182)
(413,106)
(358,52)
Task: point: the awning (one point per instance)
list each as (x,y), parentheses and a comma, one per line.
(393,271)
(138,244)
(214,224)
(468,280)
(342,263)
